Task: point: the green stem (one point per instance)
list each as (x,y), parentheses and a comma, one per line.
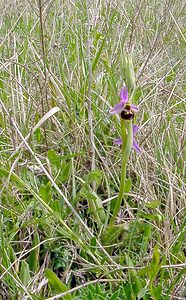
(127,138)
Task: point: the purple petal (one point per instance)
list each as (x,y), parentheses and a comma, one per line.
(124,95)
(134,107)
(136,146)
(135,129)
(118,142)
(116,109)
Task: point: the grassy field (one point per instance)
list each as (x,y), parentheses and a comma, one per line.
(62,66)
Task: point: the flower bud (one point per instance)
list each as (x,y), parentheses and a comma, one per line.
(129,72)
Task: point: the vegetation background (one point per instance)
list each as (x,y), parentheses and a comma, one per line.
(61,69)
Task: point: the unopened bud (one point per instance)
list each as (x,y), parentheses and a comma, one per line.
(129,72)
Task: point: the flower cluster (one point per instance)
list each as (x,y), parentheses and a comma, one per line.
(126,111)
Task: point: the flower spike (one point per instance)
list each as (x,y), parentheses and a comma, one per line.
(135,145)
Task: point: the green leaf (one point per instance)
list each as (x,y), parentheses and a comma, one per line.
(90,296)
(93,244)
(24,273)
(56,283)
(129,292)
(96,176)
(56,208)
(45,192)
(128,183)
(155,264)
(153,217)
(38,131)
(98,54)
(37,297)
(155,258)
(65,172)
(137,282)
(34,254)
(112,233)
(144,271)
(171,76)
(153,204)
(137,95)
(53,157)
(95,204)
(115,295)
(142,293)
(157,292)
(12,254)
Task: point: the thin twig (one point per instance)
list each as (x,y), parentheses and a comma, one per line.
(45,90)
(89,100)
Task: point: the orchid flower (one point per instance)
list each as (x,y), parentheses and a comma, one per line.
(135,145)
(126,110)
(124,104)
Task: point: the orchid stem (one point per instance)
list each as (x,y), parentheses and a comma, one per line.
(127,136)
(120,196)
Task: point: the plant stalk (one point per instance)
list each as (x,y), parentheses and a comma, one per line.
(127,140)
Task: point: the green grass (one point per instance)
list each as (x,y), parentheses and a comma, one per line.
(54,240)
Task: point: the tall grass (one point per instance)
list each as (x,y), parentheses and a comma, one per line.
(61,69)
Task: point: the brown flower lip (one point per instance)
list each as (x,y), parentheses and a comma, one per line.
(127,115)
